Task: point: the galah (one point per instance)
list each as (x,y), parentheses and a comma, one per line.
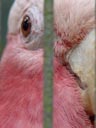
(21,76)
(74,24)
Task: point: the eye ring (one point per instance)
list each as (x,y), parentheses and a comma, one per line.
(26,26)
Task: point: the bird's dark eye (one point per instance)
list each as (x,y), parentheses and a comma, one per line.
(26,26)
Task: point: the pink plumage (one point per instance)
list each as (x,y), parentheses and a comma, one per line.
(21,66)
(21,91)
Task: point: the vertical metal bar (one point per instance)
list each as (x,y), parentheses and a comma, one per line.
(95,70)
(48,63)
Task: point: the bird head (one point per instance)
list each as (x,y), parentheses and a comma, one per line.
(21,74)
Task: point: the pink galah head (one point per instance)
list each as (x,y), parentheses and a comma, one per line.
(72,22)
(21,85)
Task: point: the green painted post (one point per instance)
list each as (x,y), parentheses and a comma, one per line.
(48,63)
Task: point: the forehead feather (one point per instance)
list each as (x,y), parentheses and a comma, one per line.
(17,10)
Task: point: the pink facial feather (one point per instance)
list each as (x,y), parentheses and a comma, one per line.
(21,91)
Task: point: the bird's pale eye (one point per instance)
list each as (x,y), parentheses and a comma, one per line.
(26,26)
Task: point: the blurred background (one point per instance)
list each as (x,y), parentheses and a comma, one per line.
(4,11)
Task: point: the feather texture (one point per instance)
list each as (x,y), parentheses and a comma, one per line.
(21,91)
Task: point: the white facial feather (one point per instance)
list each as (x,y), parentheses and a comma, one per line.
(74,18)
(18,9)
(34,10)
(34,39)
